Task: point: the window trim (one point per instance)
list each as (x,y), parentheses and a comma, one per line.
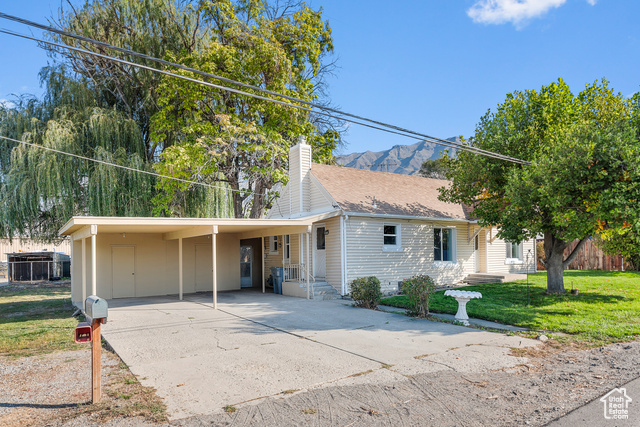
(509,258)
(454,246)
(287,247)
(273,241)
(398,234)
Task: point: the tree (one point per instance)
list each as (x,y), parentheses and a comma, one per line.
(40,189)
(584,175)
(624,242)
(99,110)
(236,139)
(433,168)
(152,27)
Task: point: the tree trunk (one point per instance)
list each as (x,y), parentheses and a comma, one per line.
(555,273)
(554,252)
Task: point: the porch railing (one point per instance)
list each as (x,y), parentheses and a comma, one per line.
(296,273)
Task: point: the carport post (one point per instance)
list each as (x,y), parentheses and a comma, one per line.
(84,270)
(94,231)
(307,250)
(262,253)
(180,266)
(214,233)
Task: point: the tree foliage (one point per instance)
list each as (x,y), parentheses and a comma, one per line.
(153,27)
(584,178)
(238,139)
(100,110)
(40,189)
(433,168)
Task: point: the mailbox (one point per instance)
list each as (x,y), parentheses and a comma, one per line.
(95,308)
(83,333)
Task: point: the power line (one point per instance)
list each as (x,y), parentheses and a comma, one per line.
(404,131)
(102,162)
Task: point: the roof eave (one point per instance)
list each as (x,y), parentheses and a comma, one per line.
(413,217)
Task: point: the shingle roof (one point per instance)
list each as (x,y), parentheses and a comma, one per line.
(395,194)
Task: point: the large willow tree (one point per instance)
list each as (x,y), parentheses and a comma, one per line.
(99,110)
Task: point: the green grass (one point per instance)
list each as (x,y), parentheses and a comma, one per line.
(606,310)
(36,320)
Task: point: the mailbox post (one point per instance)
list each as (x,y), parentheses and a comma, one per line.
(95,309)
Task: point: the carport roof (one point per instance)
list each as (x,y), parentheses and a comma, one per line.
(173,228)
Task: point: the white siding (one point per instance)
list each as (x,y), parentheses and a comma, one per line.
(497,254)
(282,206)
(366,257)
(334,253)
(482,251)
(318,201)
(294,179)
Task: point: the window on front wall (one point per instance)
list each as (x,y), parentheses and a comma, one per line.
(273,245)
(514,250)
(391,237)
(287,247)
(443,244)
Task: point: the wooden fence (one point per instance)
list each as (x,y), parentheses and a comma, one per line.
(590,257)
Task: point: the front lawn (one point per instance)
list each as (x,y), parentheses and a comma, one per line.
(36,319)
(607,308)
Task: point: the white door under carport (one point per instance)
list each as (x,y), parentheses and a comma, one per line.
(123,270)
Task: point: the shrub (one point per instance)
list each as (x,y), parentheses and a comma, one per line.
(418,291)
(365,292)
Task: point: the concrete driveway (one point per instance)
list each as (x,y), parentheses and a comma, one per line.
(259,345)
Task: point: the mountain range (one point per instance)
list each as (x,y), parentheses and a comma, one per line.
(403,159)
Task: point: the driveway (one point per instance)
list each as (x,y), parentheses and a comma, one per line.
(261,345)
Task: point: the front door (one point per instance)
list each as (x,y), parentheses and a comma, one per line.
(319,252)
(123,262)
(476,251)
(246,260)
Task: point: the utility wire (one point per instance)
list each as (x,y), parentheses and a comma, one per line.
(102,162)
(276,101)
(228,89)
(433,139)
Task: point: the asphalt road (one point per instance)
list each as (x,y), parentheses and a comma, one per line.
(593,413)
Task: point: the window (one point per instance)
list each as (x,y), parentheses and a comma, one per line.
(444,244)
(391,237)
(320,239)
(287,247)
(514,250)
(273,245)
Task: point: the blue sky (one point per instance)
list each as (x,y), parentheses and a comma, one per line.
(432,66)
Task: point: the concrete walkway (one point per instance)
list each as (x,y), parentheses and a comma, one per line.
(259,345)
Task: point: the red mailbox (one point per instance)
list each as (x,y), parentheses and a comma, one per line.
(83,333)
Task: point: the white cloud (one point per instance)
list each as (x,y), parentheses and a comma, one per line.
(6,103)
(518,12)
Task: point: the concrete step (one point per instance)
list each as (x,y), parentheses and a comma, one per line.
(480,278)
(321,290)
(324,291)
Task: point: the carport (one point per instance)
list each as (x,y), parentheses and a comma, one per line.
(122,257)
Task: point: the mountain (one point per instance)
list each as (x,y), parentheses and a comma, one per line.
(403,159)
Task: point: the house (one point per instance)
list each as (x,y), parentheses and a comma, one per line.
(329,226)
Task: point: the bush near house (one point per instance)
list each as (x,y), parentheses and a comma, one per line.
(418,290)
(366,292)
